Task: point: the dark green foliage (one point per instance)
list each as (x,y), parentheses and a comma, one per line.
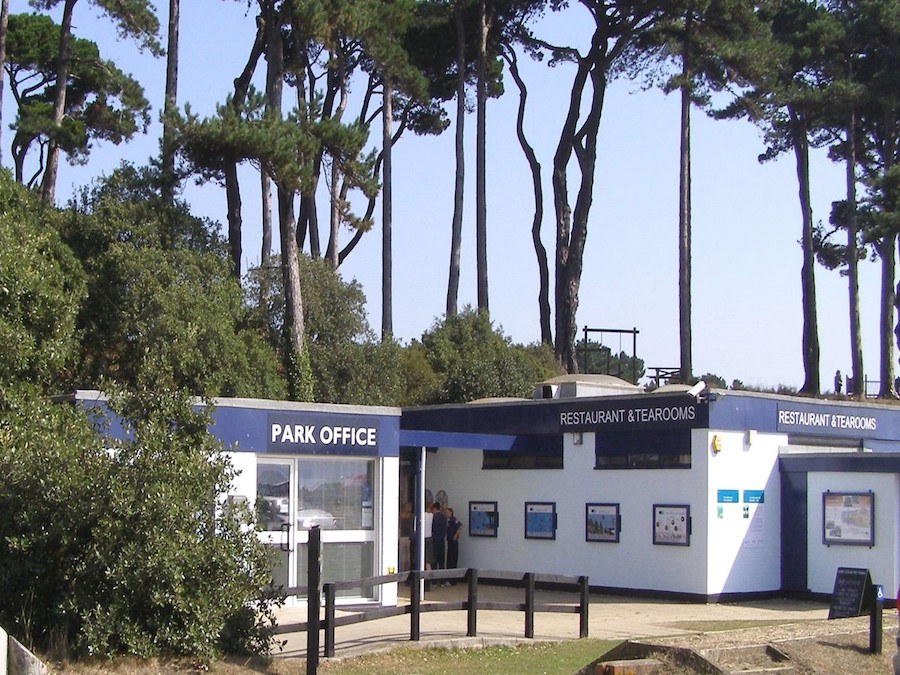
(348,363)
(162,306)
(102,102)
(473,360)
(41,288)
(714,381)
(123,551)
(600,359)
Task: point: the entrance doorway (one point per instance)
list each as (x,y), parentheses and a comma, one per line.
(338,495)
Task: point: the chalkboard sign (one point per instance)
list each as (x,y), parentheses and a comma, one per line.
(852,588)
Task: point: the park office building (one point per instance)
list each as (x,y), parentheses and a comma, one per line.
(719,495)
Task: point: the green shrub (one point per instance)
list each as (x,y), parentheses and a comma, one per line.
(121,547)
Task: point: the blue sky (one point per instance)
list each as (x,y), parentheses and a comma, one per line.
(746,216)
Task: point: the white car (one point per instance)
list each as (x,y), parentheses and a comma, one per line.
(307,518)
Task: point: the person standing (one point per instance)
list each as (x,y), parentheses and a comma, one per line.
(453,529)
(438,537)
(428,532)
(406,532)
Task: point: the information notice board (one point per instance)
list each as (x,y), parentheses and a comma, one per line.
(852,588)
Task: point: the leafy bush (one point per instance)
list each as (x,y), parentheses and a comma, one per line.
(474,360)
(120,547)
(41,286)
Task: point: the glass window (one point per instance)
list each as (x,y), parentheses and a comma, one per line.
(336,494)
(342,561)
(522,459)
(273,499)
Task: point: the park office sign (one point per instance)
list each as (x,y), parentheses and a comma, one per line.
(321,434)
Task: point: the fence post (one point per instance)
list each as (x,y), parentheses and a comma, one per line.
(584,602)
(529,604)
(472,618)
(415,603)
(314,581)
(330,594)
(876,619)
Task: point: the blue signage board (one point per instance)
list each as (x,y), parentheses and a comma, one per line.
(683,412)
(312,433)
(727,497)
(854,422)
(754,496)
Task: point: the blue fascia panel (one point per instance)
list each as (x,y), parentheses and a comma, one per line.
(449,439)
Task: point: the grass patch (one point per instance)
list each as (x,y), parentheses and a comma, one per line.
(550,658)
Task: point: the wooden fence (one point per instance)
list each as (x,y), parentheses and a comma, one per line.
(528,582)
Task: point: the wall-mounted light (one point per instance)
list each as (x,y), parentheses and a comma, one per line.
(577,438)
(717,444)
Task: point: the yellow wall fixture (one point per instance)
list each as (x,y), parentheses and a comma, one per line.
(716,444)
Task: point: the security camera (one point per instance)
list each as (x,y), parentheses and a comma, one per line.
(697,389)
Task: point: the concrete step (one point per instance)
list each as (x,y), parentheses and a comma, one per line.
(761,658)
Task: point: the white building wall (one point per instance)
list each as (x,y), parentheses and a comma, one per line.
(388,535)
(744,538)
(244,482)
(882,560)
(635,562)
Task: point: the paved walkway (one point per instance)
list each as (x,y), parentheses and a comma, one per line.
(610,618)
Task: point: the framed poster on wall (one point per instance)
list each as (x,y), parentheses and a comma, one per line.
(483,519)
(848,518)
(540,520)
(672,524)
(601,522)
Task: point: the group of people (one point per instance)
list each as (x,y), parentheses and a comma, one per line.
(441,529)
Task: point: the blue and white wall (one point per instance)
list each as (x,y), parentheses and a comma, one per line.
(744,512)
(634,562)
(883,559)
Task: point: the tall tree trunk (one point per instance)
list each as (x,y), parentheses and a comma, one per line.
(48,189)
(856,354)
(334,220)
(887,251)
(233,215)
(168,144)
(296,365)
(800,141)
(265,184)
(480,161)
(459,185)
(387,261)
(232,186)
(4,22)
(684,213)
(571,227)
(265,253)
(889,292)
(539,250)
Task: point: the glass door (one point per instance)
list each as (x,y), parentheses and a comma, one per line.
(273,512)
(338,495)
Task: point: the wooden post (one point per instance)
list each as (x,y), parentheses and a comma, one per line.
(529,603)
(472,618)
(330,595)
(585,603)
(876,619)
(415,603)
(313,599)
